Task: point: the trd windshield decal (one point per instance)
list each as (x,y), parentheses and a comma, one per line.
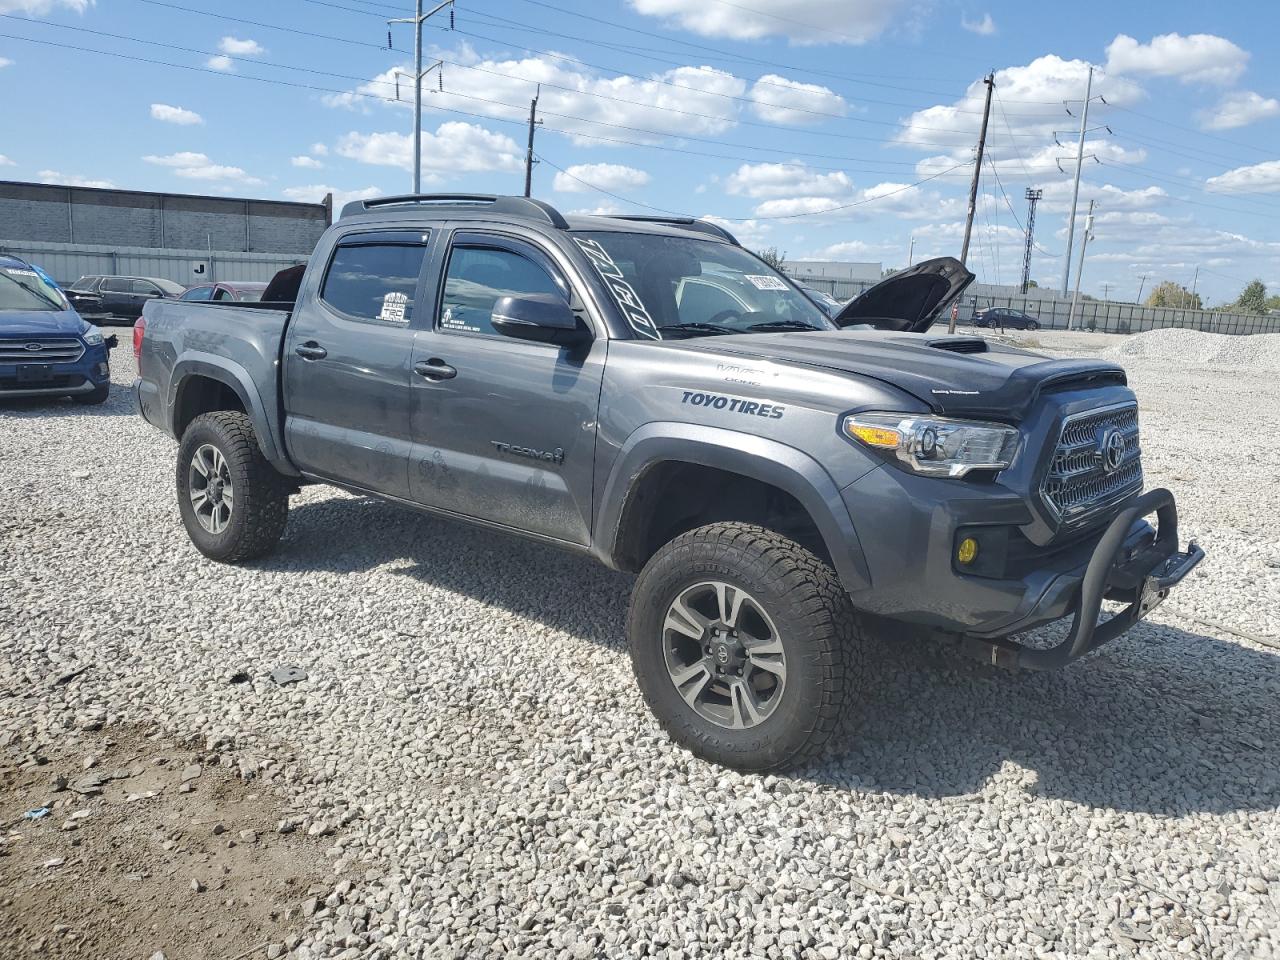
(628,301)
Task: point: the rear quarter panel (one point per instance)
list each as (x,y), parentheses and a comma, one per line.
(236,345)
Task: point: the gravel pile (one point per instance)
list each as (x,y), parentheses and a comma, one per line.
(1260,351)
(471,747)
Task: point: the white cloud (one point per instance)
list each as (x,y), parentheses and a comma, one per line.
(241,48)
(319,149)
(315,193)
(5,62)
(503,89)
(197,166)
(855,250)
(6,162)
(178,115)
(606,176)
(799,21)
(220,63)
(1239,109)
(984,27)
(39,8)
(1256,178)
(455,147)
(603,210)
(72,180)
(764,180)
(750,233)
(307,163)
(779,100)
(1198,58)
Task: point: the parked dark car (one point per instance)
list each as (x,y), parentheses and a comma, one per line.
(1005,319)
(46,349)
(119,298)
(249,291)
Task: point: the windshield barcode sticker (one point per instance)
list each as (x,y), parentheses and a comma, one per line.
(765,283)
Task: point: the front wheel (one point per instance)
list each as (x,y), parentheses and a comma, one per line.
(1033,325)
(234,504)
(745,646)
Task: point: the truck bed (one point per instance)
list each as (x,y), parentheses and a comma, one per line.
(236,343)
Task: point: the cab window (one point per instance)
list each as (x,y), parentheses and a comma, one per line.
(478,275)
(375,278)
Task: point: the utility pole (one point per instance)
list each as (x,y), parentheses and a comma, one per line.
(1084,243)
(1106,289)
(1142,284)
(528,154)
(1195,280)
(1033,197)
(990,81)
(418,73)
(1075,190)
(911,252)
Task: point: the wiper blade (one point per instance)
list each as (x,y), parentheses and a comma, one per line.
(783,325)
(696,328)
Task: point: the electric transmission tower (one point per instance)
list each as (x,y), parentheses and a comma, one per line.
(1033,197)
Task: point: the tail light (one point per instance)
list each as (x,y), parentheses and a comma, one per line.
(139,329)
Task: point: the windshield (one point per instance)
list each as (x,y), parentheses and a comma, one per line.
(168,286)
(675,287)
(21,288)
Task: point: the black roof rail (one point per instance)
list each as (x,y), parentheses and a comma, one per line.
(692,223)
(516,206)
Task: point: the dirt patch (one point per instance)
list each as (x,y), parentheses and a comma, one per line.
(145,847)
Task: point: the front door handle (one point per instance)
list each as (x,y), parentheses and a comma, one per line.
(435,369)
(311,351)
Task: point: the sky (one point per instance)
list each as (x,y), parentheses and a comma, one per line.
(828,129)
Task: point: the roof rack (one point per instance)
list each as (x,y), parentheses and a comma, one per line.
(516,206)
(692,223)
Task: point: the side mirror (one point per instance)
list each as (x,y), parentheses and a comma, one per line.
(540,317)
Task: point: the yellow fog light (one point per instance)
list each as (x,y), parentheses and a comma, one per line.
(967,552)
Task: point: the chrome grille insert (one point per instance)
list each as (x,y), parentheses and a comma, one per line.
(1080,481)
(41,350)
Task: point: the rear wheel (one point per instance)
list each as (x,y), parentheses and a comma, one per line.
(745,646)
(1033,324)
(234,504)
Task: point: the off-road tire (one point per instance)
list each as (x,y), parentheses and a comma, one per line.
(816,622)
(98,395)
(261,493)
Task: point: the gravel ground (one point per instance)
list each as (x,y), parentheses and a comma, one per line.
(471,735)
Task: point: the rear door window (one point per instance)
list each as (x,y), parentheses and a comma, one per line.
(117,285)
(197,293)
(145,287)
(374,276)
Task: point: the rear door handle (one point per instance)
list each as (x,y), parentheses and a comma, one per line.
(311,351)
(434,369)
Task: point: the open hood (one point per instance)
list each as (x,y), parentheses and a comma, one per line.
(910,300)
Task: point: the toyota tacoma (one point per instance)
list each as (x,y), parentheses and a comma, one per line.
(646,392)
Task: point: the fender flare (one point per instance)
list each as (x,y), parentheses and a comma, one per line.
(758,458)
(199,364)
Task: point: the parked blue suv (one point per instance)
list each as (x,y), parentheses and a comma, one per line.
(46,349)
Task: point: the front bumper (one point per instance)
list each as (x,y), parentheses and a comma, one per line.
(908,526)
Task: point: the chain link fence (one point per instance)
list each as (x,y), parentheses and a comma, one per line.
(1104,316)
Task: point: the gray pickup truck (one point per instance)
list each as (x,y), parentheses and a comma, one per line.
(645,391)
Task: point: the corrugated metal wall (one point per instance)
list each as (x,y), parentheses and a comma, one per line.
(67,262)
(73,231)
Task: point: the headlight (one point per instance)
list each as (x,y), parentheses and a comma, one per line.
(92,336)
(935,446)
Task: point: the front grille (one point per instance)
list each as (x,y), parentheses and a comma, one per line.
(1078,484)
(41,350)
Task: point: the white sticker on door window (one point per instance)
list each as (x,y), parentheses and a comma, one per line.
(394,307)
(765,283)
